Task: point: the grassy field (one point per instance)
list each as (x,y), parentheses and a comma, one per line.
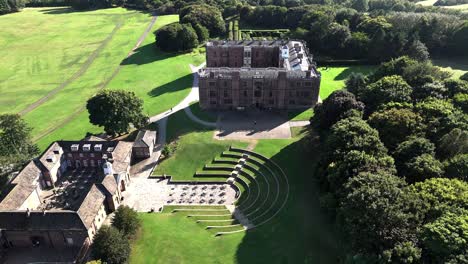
(462,7)
(196,147)
(457,66)
(79,54)
(299,234)
(333,78)
(205,115)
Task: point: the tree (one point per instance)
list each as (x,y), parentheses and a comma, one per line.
(208,16)
(358,45)
(388,89)
(431,89)
(15,138)
(396,125)
(176,37)
(417,50)
(334,106)
(356,83)
(456,86)
(360,5)
(404,252)
(447,236)
(116,111)
(355,162)
(4,7)
(410,149)
(202,33)
(126,221)
(440,117)
(440,194)
(461,100)
(377,212)
(453,143)
(111,246)
(353,133)
(464,77)
(457,167)
(422,167)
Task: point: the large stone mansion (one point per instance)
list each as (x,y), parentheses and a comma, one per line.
(262,74)
(60,199)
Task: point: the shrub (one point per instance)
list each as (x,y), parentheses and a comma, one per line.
(126,221)
(176,37)
(111,246)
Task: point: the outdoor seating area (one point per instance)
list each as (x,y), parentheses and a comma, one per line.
(71,188)
(210,194)
(263,190)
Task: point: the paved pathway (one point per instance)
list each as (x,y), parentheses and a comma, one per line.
(299,123)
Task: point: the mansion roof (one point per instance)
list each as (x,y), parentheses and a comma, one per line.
(41,220)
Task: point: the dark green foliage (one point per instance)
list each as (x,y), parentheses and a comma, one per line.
(333,108)
(360,5)
(453,143)
(267,16)
(126,221)
(376,212)
(464,77)
(408,150)
(422,167)
(111,246)
(461,100)
(90,4)
(353,163)
(388,89)
(176,37)
(356,83)
(456,86)
(396,125)
(202,33)
(417,50)
(459,40)
(432,89)
(457,167)
(116,111)
(440,117)
(353,134)
(4,7)
(208,16)
(405,252)
(15,138)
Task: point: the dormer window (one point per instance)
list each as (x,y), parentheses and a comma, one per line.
(110,149)
(98,147)
(56,151)
(86,147)
(50,158)
(75,147)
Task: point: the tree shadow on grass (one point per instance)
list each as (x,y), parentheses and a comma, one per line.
(364,69)
(173,86)
(147,54)
(64,10)
(301,233)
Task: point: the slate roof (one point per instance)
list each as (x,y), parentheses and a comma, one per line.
(121,156)
(91,205)
(231,43)
(145,138)
(38,220)
(109,184)
(23,186)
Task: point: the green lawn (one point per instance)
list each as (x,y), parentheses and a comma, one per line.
(204,115)
(196,147)
(457,66)
(333,77)
(301,115)
(79,54)
(299,234)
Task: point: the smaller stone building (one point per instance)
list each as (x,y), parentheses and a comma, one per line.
(144,144)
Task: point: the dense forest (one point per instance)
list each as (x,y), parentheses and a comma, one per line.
(394,167)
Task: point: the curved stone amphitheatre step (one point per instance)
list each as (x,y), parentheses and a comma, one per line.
(262,192)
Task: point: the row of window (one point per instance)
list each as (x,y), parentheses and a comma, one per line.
(264,84)
(84,163)
(82,155)
(269,102)
(259,94)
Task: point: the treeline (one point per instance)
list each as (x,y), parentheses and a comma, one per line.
(197,23)
(395,167)
(10,6)
(345,33)
(450,2)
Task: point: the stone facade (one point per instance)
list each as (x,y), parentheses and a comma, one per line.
(259,74)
